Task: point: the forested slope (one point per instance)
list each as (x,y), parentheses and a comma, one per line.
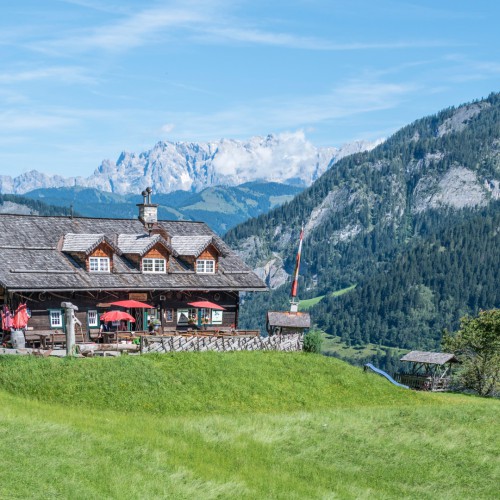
(451,273)
(368,209)
(15,204)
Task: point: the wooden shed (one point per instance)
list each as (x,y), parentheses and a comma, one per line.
(287,322)
(427,370)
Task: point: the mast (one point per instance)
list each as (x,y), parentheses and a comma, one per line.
(294,304)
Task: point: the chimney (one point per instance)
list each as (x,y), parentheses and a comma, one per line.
(148,212)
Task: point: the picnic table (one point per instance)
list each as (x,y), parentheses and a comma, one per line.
(112,337)
(50,339)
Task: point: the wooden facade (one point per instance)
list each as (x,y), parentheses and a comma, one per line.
(103,250)
(49,263)
(166,307)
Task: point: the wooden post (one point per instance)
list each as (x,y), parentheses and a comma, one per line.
(69,315)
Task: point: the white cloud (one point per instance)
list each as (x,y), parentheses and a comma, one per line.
(130,32)
(256,36)
(352,98)
(204,22)
(167,128)
(15,121)
(66,74)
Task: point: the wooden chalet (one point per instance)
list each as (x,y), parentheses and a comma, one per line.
(93,262)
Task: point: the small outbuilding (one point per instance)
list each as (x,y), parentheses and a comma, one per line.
(281,323)
(429,371)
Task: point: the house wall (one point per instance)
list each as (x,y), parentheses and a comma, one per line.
(41,303)
(177,300)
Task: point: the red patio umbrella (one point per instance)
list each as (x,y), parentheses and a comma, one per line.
(131,304)
(117,316)
(206,304)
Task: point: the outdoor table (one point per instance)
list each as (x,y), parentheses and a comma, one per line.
(112,337)
(50,339)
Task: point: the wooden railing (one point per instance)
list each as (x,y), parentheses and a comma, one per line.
(207,342)
(423,382)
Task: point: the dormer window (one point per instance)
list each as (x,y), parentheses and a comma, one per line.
(205,266)
(154,265)
(94,251)
(99,264)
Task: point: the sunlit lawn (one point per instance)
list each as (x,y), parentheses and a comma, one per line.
(398,444)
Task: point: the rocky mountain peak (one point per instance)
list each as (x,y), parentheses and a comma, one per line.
(170,166)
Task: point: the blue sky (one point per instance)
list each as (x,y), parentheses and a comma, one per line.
(83,80)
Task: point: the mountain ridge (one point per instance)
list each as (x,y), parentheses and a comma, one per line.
(287,158)
(363,212)
(220,207)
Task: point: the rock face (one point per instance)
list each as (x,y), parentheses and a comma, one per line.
(168,166)
(458,121)
(272,273)
(459,187)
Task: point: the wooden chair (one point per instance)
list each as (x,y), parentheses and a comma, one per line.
(94,334)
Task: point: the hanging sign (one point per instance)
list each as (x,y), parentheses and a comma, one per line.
(141,297)
(216,317)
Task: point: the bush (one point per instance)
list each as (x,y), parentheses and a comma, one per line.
(313,341)
(477,346)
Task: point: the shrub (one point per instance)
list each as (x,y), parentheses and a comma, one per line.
(313,340)
(477,346)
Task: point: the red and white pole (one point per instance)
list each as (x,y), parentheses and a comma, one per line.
(295,282)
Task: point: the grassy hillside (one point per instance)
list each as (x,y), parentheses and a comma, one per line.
(186,384)
(306,304)
(236,425)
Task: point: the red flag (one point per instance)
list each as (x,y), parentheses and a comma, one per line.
(295,282)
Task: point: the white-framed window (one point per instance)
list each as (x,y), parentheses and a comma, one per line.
(206,317)
(55,318)
(187,316)
(99,264)
(154,265)
(168,315)
(92,318)
(204,266)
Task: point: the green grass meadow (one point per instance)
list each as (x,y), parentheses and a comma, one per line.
(236,425)
(305,305)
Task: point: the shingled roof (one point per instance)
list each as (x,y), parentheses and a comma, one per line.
(141,243)
(289,319)
(432,358)
(194,245)
(32,259)
(85,243)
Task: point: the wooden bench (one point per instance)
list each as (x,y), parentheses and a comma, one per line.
(50,339)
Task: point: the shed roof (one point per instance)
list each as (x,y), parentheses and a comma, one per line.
(34,260)
(432,358)
(289,319)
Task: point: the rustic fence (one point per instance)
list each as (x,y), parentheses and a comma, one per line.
(291,342)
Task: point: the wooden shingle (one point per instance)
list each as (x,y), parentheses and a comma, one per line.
(32,261)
